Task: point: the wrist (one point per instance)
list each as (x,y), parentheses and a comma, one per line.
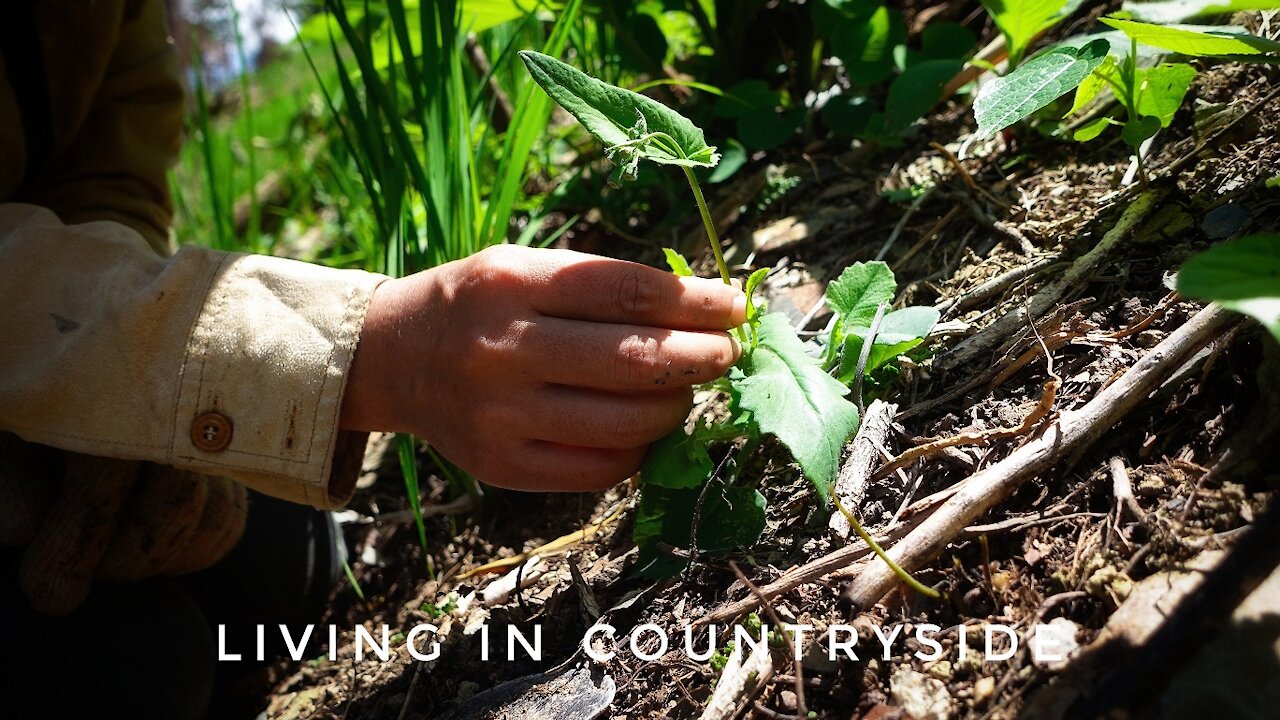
(365,404)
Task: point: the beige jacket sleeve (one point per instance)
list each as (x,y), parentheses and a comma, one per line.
(216,362)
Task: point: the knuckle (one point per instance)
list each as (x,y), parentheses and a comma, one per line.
(501,264)
(638,361)
(639,294)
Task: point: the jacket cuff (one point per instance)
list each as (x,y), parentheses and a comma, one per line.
(260,387)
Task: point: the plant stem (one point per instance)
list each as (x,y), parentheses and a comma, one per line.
(712,238)
(708,224)
(879,551)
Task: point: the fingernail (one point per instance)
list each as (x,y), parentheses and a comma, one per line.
(740,309)
(737,348)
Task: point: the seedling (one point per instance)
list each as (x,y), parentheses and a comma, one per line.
(776,388)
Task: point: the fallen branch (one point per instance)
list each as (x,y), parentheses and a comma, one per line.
(1070,434)
(851,482)
(1052,294)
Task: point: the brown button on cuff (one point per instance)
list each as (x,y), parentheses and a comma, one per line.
(211,432)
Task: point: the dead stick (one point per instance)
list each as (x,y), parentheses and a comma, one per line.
(801,709)
(1071,433)
(1084,266)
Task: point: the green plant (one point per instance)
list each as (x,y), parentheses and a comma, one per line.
(1150,96)
(776,388)
(1241,275)
(1022,21)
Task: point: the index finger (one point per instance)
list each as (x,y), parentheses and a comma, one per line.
(587,287)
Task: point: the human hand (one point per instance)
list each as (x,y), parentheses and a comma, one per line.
(83,519)
(540,369)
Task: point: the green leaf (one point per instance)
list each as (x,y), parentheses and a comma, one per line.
(1241,275)
(790,397)
(767,129)
(1092,85)
(629,124)
(1194,43)
(865,45)
(847,115)
(900,331)
(1092,130)
(753,282)
(1036,83)
(1162,89)
(1135,132)
(1166,12)
(946,41)
(859,290)
(731,518)
(734,157)
(678,460)
(916,91)
(677,263)
(1020,21)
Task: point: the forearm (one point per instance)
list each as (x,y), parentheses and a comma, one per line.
(110,350)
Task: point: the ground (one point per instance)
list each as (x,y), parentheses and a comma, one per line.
(1061,547)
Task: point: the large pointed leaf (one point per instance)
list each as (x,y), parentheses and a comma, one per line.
(1036,83)
(617,117)
(1193,42)
(791,398)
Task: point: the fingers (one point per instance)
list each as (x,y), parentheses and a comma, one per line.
(162,513)
(555,467)
(567,284)
(594,419)
(29,478)
(58,567)
(220,527)
(625,357)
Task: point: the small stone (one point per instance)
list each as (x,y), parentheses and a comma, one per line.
(1053,645)
(787,700)
(983,689)
(922,697)
(941,670)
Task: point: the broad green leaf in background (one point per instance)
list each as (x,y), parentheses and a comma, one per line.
(916,91)
(859,290)
(1162,88)
(1192,42)
(678,460)
(677,263)
(865,44)
(1241,275)
(1020,21)
(1167,12)
(1036,83)
(731,518)
(790,397)
(618,117)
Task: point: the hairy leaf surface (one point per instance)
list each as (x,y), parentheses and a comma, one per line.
(617,117)
(790,397)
